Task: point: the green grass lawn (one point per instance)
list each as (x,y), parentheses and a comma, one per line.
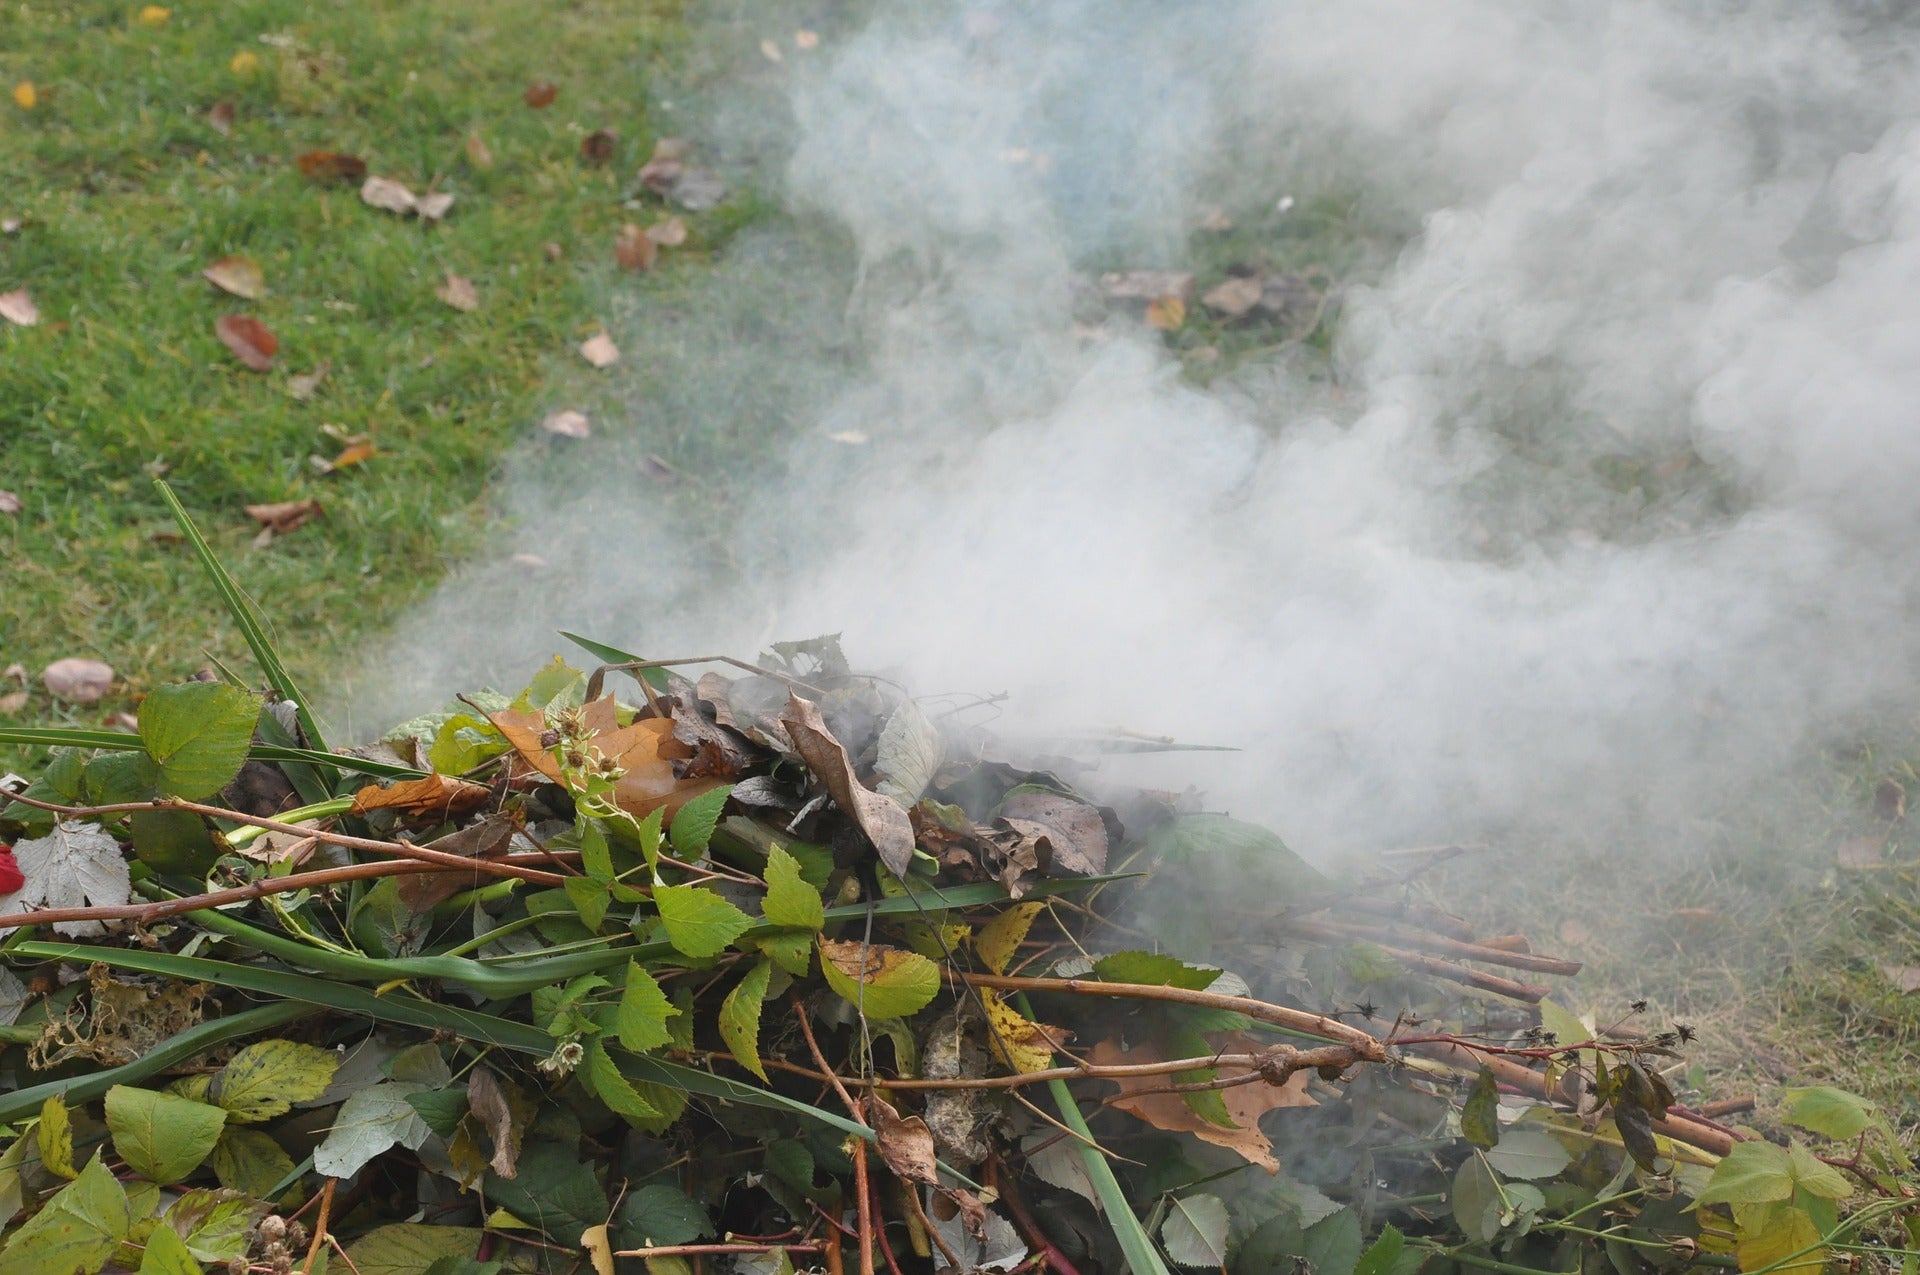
(125,191)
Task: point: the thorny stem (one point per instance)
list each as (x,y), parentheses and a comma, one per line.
(422,854)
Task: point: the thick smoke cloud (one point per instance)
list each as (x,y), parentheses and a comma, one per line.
(1607,505)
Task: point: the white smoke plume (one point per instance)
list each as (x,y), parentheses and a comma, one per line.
(1607,502)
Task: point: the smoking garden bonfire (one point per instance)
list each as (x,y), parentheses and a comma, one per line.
(778,968)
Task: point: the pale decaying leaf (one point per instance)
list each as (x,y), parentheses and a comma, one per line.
(567,424)
(17,307)
(434,207)
(998,1247)
(305,385)
(369,1122)
(670,233)
(905,1143)
(284,515)
(76,865)
(1905,978)
(458,292)
(909,753)
(493,1105)
(77,680)
(883,819)
(384,193)
(1234,298)
(1170,1111)
(1146,285)
(240,276)
(600,350)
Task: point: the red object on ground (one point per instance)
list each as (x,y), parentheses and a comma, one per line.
(10,875)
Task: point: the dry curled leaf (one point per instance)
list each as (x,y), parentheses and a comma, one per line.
(1890,799)
(883,819)
(358,450)
(9,502)
(1166,313)
(434,207)
(18,308)
(634,249)
(645,750)
(905,1143)
(458,292)
(220,117)
(79,681)
(567,424)
(240,276)
(600,351)
(1246,1103)
(670,233)
(1905,978)
(492,1103)
(1075,834)
(1234,298)
(331,166)
(304,386)
(436,798)
(384,193)
(12,702)
(540,96)
(598,146)
(285,515)
(664,166)
(249,340)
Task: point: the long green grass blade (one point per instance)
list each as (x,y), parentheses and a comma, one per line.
(189,1044)
(655,677)
(245,616)
(121,741)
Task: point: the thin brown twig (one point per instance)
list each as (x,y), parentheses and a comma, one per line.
(826,1071)
(714,1250)
(320,1226)
(863,1196)
(1090,1071)
(1002,1181)
(933,1232)
(423,854)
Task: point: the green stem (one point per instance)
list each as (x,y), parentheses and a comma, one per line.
(468,898)
(318,810)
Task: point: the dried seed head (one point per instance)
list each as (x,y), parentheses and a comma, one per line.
(273,1228)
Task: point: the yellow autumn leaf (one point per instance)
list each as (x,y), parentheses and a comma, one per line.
(154,16)
(1022,1044)
(1166,313)
(25,96)
(1000,938)
(245,62)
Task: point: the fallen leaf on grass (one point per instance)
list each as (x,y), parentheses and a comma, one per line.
(458,292)
(598,146)
(1890,799)
(698,190)
(245,62)
(477,153)
(1166,313)
(10,225)
(12,702)
(1146,285)
(17,307)
(281,517)
(9,502)
(384,193)
(1862,854)
(249,340)
(240,276)
(437,797)
(25,96)
(1905,978)
(552,251)
(155,15)
(220,117)
(434,207)
(670,233)
(600,351)
(77,680)
(658,470)
(331,166)
(567,424)
(1235,298)
(357,449)
(635,249)
(540,96)
(771,51)
(302,387)
(1171,1112)
(664,166)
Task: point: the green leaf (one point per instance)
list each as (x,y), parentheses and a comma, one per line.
(166,1254)
(250,1161)
(215,1224)
(1754,1172)
(113,779)
(614,1089)
(1195,1231)
(1528,1153)
(659,1215)
(1153,969)
(198,734)
(883,982)
(1815,1177)
(790,901)
(590,898)
(558,684)
(162,1136)
(74,1232)
(1476,1200)
(175,841)
(1389,1255)
(907,754)
(264,1080)
(1826,1110)
(699,922)
(595,859)
(649,834)
(407,1248)
(442,1109)
(641,1019)
(554,1188)
(56,1137)
(693,825)
(1332,1245)
(369,1122)
(1776,1232)
(791,950)
(1480,1118)
(740,1021)
(463,742)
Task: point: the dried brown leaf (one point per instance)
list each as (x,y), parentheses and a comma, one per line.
(882,819)
(492,1104)
(459,293)
(905,1143)
(1075,834)
(477,153)
(384,193)
(331,166)
(1905,978)
(1167,313)
(1146,285)
(568,424)
(646,750)
(664,166)
(1890,799)
(286,515)
(358,451)
(241,276)
(80,681)
(304,386)
(600,351)
(220,117)
(12,702)
(1235,298)
(434,207)
(1246,1103)
(1862,854)
(17,307)
(437,797)
(670,233)
(249,340)
(540,95)
(9,503)
(598,146)
(634,249)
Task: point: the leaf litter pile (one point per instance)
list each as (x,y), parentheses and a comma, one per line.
(705,965)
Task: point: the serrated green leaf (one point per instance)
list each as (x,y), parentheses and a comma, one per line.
(1480,1117)
(693,825)
(56,1137)
(1195,1231)
(198,734)
(166,1254)
(1826,1110)
(1754,1172)
(1813,1176)
(615,1089)
(249,1160)
(1389,1255)
(215,1224)
(76,1231)
(790,900)
(590,898)
(740,1018)
(596,860)
(1153,969)
(641,1019)
(649,834)
(161,1135)
(791,950)
(883,982)
(1332,1245)
(699,922)
(441,1109)
(265,1079)
(407,1248)
(660,1215)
